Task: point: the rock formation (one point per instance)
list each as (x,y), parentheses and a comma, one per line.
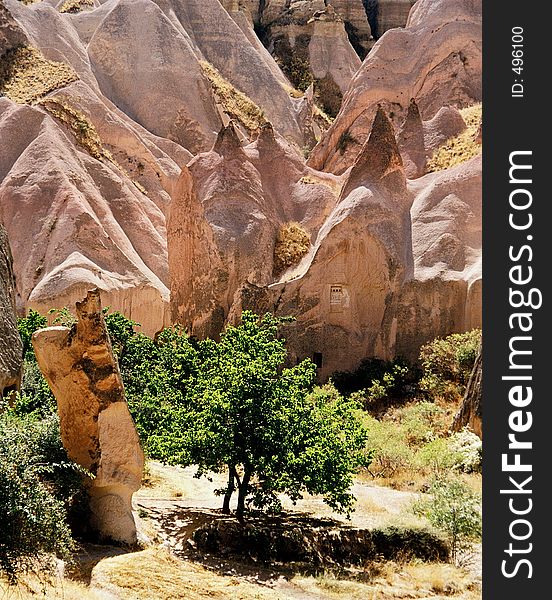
(11,35)
(125,171)
(391,14)
(344,294)
(436,60)
(96,427)
(471,412)
(11,348)
(444,295)
(225,218)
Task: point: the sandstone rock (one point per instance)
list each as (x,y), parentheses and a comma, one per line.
(392,14)
(436,60)
(446,124)
(358,28)
(11,35)
(96,427)
(344,293)
(77,222)
(444,296)
(11,348)
(331,54)
(471,412)
(224,220)
(412,143)
(221,42)
(167,101)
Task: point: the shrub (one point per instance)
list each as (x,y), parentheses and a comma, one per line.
(422,422)
(454,509)
(35,395)
(329,95)
(468,448)
(438,455)
(391,453)
(345,139)
(292,243)
(448,362)
(37,485)
(27,326)
(376,382)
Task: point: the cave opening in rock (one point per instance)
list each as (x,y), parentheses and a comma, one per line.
(372,8)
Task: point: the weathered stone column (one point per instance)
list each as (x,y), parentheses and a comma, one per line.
(11,347)
(96,427)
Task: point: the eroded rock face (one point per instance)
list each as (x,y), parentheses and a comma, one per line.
(96,427)
(436,60)
(471,412)
(89,225)
(11,35)
(11,348)
(344,294)
(444,295)
(224,221)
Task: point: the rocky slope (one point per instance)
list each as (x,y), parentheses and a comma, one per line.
(11,348)
(156,150)
(436,60)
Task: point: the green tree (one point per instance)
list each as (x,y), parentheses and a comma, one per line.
(454,509)
(27,326)
(246,415)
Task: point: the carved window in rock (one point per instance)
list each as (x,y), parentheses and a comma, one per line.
(336,297)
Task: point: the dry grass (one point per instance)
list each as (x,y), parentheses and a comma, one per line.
(154,573)
(80,125)
(26,75)
(460,148)
(32,587)
(235,103)
(85,132)
(75,6)
(390,580)
(164,482)
(292,243)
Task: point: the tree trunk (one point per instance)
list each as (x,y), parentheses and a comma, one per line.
(229,491)
(470,413)
(242,495)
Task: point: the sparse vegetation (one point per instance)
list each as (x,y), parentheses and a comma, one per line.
(345,140)
(37,483)
(292,243)
(329,95)
(75,6)
(453,508)
(85,132)
(26,75)
(80,125)
(235,103)
(460,148)
(447,364)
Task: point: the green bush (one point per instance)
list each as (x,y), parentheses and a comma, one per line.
(438,456)
(27,326)
(37,486)
(469,449)
(447,364)
(375,380)
(453,508)
(391,452)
